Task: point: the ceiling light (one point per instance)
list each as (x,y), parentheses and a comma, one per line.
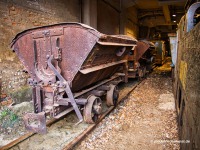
(174,21)
(174,15)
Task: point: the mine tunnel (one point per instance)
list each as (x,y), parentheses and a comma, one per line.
(99,74)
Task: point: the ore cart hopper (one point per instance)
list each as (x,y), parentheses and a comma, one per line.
(160,48)
(71,66)
(140,59)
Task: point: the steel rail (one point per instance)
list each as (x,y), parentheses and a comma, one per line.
(83,135)
(26,136)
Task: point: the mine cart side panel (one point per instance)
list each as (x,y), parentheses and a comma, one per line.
(69,44)
(74,47)
(101,63)
(187,81)
(77,43)
(141,48)
(25,51)
(84,80)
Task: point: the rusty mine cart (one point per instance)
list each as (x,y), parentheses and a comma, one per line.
(71,66)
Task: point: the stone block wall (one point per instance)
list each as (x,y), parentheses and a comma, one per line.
(188,88)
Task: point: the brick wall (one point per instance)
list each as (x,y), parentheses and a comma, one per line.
(18,15)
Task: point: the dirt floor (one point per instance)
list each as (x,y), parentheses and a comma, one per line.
(144,121)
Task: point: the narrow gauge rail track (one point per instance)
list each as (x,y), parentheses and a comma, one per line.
(125,90)
(71,144)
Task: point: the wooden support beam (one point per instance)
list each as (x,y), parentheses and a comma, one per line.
(167,15)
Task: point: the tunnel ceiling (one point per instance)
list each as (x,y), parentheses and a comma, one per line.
(160,15)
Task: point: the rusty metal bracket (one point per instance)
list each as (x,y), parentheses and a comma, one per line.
(37,99)
(67,88)
(35,122)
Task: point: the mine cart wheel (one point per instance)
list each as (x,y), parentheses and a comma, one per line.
(140,73)
(112,95)
(92,109)
(144,70)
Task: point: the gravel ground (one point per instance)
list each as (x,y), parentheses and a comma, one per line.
(146,120)
(11,122)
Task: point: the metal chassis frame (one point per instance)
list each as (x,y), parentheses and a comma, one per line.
(40,116)
(66,86)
